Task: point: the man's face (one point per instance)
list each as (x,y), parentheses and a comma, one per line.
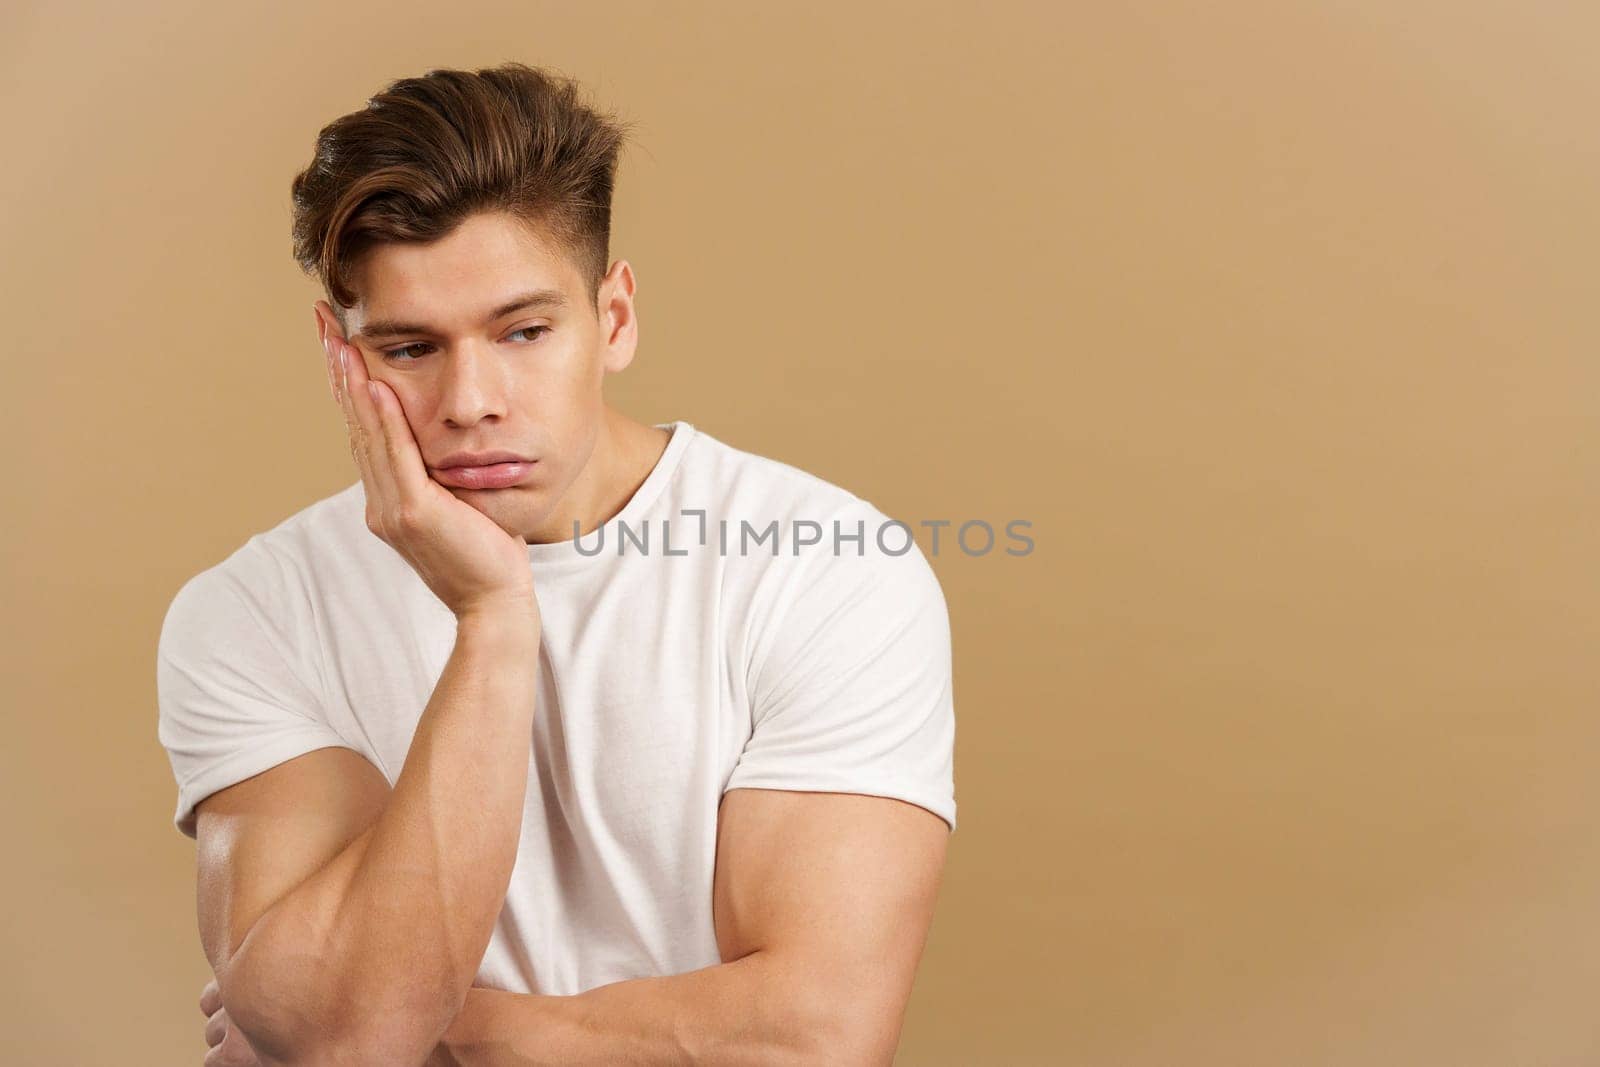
(476,374)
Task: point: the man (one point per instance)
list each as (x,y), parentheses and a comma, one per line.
(556,737)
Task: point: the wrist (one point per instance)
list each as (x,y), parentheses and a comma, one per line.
(501,621)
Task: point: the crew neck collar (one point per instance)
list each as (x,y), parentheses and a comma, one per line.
(566,553)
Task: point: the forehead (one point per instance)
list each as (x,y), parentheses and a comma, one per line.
(454,280)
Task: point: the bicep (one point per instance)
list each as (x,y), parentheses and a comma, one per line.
(840,886)
(259,839)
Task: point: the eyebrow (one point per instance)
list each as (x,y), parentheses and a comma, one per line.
(536,298)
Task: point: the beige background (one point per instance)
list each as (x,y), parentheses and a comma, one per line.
(1275,320)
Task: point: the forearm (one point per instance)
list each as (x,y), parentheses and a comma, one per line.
(748,1011)
(379,946)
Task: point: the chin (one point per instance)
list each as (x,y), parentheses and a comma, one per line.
(492,502)
(499,504)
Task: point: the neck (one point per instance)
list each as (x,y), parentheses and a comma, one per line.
(625,452)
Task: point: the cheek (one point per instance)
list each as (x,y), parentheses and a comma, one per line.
(413,404)
(407,398)
(578,361)
(571,375)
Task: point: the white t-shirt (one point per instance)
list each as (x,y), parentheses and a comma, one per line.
(672,670)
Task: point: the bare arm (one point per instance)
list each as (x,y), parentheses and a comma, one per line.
(822,905)
(371,953)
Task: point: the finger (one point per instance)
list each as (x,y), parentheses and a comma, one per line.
(240,1053)
(210,998)
(330,334)
(330,364)
(403,453)
(216,1028)
(354,433)
(375,450)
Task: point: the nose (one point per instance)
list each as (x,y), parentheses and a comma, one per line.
(474,385)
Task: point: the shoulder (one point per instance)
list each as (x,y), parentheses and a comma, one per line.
(271,574)
(753,484)
(796,529)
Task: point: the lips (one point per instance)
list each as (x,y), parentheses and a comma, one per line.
(483,476)
(481,459)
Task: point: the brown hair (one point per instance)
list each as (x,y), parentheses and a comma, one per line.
(428,151)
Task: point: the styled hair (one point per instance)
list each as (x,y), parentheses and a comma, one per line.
(428,151)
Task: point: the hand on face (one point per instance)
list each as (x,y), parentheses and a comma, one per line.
(465,557)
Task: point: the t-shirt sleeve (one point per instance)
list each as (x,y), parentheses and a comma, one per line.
(850,685)
(234,697)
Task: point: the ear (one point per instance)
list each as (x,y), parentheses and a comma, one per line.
(619,322)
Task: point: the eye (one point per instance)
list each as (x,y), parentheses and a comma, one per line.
(398,355)
(395,354)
